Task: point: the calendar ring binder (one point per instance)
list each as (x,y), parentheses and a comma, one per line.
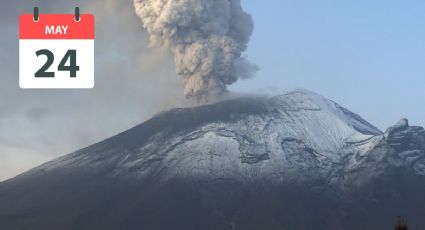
(77,14)
(36,14)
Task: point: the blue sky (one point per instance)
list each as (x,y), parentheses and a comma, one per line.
(369,56)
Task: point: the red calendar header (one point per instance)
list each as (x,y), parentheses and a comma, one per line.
(56,26)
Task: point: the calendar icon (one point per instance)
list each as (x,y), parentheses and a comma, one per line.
(56,51)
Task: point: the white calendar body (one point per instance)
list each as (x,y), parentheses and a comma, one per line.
(56,52)
(30,64)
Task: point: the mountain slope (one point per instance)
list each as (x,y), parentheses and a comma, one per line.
(250,138)
(294,161)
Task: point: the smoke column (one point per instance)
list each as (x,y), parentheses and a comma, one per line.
(206,37)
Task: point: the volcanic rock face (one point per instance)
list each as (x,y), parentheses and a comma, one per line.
(294,161)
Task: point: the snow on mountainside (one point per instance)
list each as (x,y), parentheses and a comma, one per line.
(295,136)
(401,146)
(293,161)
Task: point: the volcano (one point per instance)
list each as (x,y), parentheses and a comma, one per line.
(292,161)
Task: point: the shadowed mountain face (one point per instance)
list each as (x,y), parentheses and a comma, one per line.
(294,161)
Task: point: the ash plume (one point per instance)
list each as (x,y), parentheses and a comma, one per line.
(207,39)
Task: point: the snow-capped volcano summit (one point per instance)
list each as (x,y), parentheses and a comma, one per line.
(297,133)
(238,164)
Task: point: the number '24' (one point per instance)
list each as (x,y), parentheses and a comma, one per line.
(72,67)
